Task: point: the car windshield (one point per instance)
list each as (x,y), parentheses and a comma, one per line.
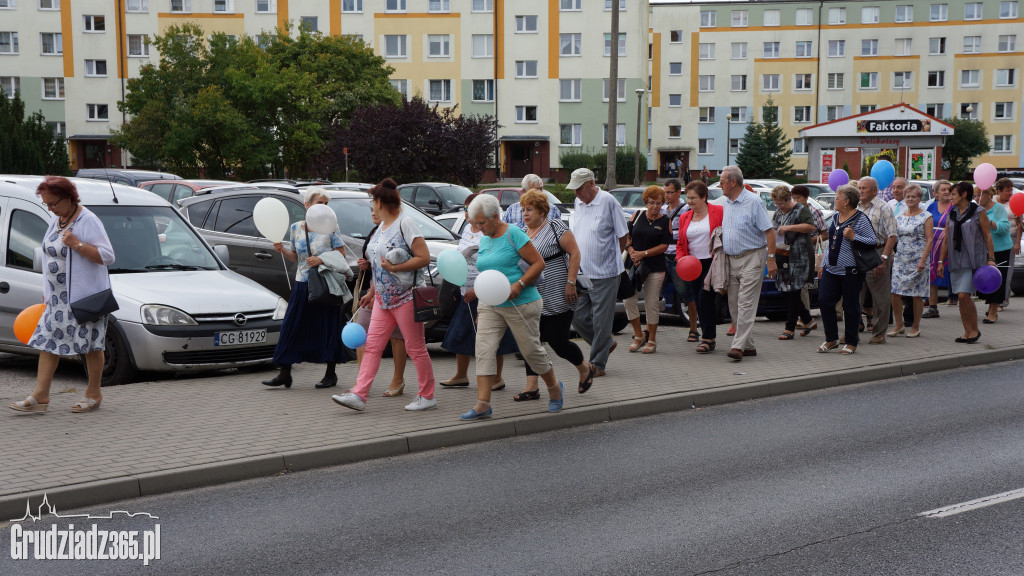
(827,200)
(454,194)
(354,219)
(152,239)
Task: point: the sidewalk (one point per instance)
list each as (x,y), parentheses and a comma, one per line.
(156,437)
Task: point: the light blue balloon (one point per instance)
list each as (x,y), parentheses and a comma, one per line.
(884,172)
(353,335)
(451,264)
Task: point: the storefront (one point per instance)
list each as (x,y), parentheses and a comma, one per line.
(902,134)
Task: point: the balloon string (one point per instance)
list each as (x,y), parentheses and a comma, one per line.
(472,320)
(286,275)
(528,326)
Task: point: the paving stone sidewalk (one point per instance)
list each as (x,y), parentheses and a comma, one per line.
(181,433)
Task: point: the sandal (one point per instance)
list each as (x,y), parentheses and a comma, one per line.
(527,395)
(587,382)
(29,404)
(828,346)
(705,347)
(732,330)
(848,349)
(693,337)
(650,348)
(85,405)
(786,335)
(638,343)
(808,327)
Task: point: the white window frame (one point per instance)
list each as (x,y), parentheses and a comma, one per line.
(1007,111)
(439,6)
(488,86)
(904,13)
(136,6)
(570,5)
(675,131)
(620,135)
(401,86)
(575,89)
(351,6)
(92,112)
(608,5)
(770,82)
(972,44)
(487,48)
(935,109)
(443,44)
(708,18)
(675,65)
(974,113)
(89,22)
(802,115)
(741,79)
(10,85)
(836,16)
(739,115)
(742,46)
(870,15)
(938,13)
(836,81)
(620,93)
(804,17)
(12,41)
(675,36)
(180,6)
(608,45)
(49,4)
(90,68)
(523,68)
(904,47)
(939,78)
(799,146)
(772,17)
(771,49)
(706,115)
(970,78)
(1002,143)
(740,18)
(833,113)
(1010,79)
(143,46)
(936,45)
(871,44)
(522,113)
(397,6)
(872,85)
(229,6)
(837,48)
(483,6)
(805,49)
(803,82)
(675,100)
(973,11)
(705,146)
(571,40)
(524,22)
(734,146)
(1007,10)
(1007,43)
(903,80)
(445,87)
(402,49)
(575,133)
(57,41)
(706,51)
(706,83)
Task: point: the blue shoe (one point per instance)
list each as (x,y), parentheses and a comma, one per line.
(474,415)
(556,405)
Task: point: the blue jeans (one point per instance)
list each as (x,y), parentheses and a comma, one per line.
(594,316)
(831,288)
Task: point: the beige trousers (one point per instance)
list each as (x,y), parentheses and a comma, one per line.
(490,327)
(652,295)
(746,273)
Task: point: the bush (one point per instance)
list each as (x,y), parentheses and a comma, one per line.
(573,158)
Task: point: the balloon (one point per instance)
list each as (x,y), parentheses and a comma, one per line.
(492,287)
(688,268)
(984,175)
(321,219)
(26,322)
(271,218)
(987,279)
(1017,203)
(884,172)
(838,178)
(353,335)
(451,264)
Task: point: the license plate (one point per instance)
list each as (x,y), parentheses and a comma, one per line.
(239,337)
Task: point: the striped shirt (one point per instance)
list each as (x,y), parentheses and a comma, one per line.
(882,219)
(556,267)
(514,215)
(675,225)
(598,226)
(744,224)
(862,232)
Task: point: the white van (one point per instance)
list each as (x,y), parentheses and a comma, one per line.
(181,309)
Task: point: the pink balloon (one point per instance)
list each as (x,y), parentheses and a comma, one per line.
(984,175)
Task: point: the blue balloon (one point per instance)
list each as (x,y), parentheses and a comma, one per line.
(451,264)
(884,172)
(353,335)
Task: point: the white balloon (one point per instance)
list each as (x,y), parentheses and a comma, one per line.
(492,287)
(271,218)
(321,219)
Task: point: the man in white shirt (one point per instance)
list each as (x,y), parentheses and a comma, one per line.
(596,223)
(899,188)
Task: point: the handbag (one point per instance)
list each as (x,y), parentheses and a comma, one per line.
(448,296)
(317,290)
(426,305)
(92,308)
(866,255)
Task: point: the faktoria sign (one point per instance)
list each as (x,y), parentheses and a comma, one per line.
(910,125)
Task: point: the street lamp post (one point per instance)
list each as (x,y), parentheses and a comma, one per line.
(636,159)
(728,137)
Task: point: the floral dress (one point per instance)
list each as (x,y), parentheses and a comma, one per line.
(391,290)
(906,280)
(798,270)
(58,332)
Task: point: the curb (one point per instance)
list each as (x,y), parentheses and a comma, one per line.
(149,484)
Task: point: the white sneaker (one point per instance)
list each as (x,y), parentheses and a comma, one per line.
(421,403)
(350,400)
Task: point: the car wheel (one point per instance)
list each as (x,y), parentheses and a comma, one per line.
(117,361)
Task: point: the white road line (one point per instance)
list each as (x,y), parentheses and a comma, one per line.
(974,504)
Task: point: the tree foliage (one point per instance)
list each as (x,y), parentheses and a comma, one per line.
(410,142)
(233,107)
(766,151)
(969,140)
(27,144)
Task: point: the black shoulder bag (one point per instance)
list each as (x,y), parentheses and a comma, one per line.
(318,292)
(92,308)
(865,254)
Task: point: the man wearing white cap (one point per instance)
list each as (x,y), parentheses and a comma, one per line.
(596,223)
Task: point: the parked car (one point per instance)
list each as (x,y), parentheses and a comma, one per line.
(356,186)
(181,309)
(234,186)
(818,189)
(127,177)
(434,197)
(296,183)
(175,190)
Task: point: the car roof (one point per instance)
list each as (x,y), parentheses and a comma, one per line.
(249,187)
(92,192)
(151,174)
(239,192)
(191,184)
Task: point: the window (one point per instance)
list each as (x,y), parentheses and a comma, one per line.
(675,68)
(833,113)
(394,6)
(706,83)
(401,86)
(27,231)
(970,78)
(804,49)
(141,5)
(804,17)
(802,82)
(49,4)
(620,93)
(483,45)
(1008,43)
(739,83)
(526,24)
(569,89)
(772,17)
(346,6)
(395,46)
(9,85)
(799,146)
(675,100)
(483,90)
(1004,111)
(181,5)
(739,18)
(705,146)
(937,45)
(1002,143)
(706,116)
(308,23)
(438,45)
(969,110)
(869,15)
(96,112)
(8,42)
(95,67)
(1008,9)
(675,131)
(571,5)
(734,146)
(836,48)
(771,49)
(439,6)
(95,23)
(486,5)
(526,68)
(570,134)
(972,44)
(801,114)
(938,13)
(440,90)
(570,44)
(706,51)
(972,11)
(59,128)
(836,81)
(1006,77)
(905,13)
(836,16)
(937,79)
(675,36)
(739,50)
(903,46)
(137,45)
(707,18)
(869,80)
(865,108)
(223,5)
(869,47)
(620,135)
(902,81)
(52,43)
(769,82)
(608,44)
(608,5)
(934,110)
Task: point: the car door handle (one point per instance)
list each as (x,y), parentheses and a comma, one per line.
(4,287)
(264,256)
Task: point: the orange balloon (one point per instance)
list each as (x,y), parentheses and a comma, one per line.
(26,322)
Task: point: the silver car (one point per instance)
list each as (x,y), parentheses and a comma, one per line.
(181,309)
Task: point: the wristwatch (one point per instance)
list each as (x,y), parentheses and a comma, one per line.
(885,257)
(521,283)
(570,282)
(771,255)
(80,244)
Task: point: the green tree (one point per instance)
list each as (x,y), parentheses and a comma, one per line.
(27,144)
(766,149)
(969,140)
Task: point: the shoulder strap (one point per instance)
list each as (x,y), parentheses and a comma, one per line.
(675,212)
(309,245)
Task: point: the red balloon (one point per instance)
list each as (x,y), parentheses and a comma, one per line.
(688,268)
(1017,204)
(26,322)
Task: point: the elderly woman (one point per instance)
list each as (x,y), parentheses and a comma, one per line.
(310,332)
(1005,190)
(911,265)
(501,249)
(557,246)
(1002,245)
(76,253)
(391,298)
(514,214)
(696,228)
(839,276)
(939,209)
(968,246)
(650,233)
(794,255)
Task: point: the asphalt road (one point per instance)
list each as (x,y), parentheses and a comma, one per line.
(827,482)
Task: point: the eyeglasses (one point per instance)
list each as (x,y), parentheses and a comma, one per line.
(52,204)
(654,202)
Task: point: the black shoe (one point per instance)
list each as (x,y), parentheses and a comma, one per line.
(327,382)
(279,380)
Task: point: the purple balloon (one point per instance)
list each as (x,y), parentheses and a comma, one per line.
(837,179)
(987,279)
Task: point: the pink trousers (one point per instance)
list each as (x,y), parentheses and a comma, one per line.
(382,323)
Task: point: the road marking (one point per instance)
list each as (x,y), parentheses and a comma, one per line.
(974,504)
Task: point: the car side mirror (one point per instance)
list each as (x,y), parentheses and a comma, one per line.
(37,260)
(222,252)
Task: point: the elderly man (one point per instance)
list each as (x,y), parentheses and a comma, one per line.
(597,223)
(878,281)
(514,214)
(899,187)
(748,241)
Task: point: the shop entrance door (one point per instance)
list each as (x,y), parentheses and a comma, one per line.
(922,164)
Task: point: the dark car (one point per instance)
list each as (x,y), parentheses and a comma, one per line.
(509,196)
(127,177)
(435,198)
